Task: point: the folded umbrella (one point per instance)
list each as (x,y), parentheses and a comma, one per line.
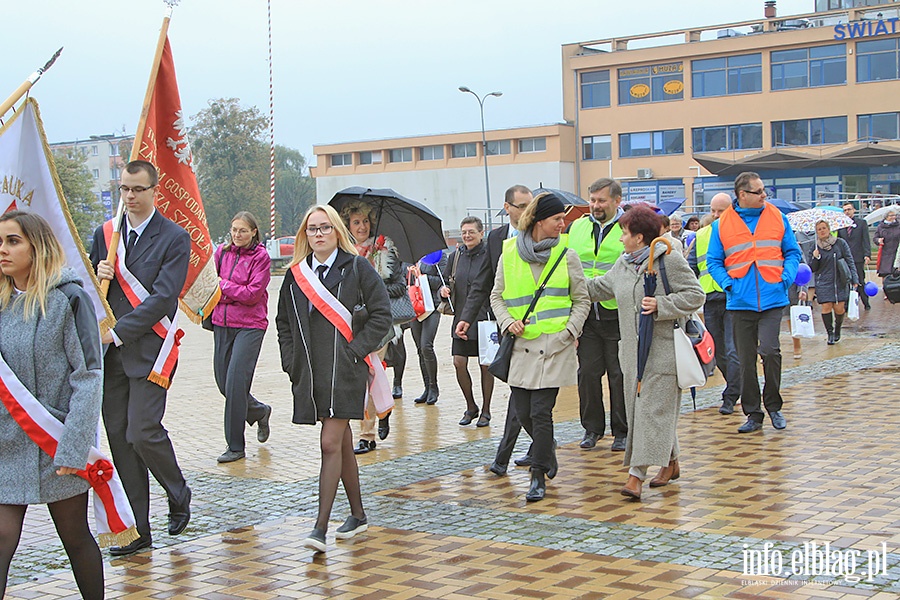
(645,322)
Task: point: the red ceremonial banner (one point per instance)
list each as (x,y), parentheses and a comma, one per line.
(164,143)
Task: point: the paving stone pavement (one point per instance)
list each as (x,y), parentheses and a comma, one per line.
(443,526)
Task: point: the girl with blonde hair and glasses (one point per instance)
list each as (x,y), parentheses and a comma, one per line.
(329,369)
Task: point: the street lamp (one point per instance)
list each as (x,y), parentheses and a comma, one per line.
(487,185)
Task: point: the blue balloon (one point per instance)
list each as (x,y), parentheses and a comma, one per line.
(871,289)
(433,258)
(689,238)
(804,274)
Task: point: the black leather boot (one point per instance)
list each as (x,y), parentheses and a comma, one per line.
(538,487)
(838,323)
(829,329)
(431,370)
(426,377)
(433,393)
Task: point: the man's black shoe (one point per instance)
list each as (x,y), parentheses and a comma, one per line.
(144,541)
(397,392)
(262,427)
(590,439)
(750,426)
(619,444)
(497,469)
(525,461)
(384,427)
(179,517)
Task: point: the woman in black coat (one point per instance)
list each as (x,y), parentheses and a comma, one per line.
(328,373)
(835,271)
(460,271)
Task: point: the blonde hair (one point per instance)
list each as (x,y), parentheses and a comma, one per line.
(526,220)
(302,248)
(830,233)
(47,258)
(363,208)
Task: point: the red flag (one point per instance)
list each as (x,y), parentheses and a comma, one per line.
(164,143)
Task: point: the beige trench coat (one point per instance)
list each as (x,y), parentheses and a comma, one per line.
(652,420)
(547,361)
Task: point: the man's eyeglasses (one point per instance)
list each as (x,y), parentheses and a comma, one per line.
(324,229)
(761,192)
(136,189)
(522,206)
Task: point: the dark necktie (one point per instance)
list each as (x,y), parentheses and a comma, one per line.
(132,239)
(598,231)
(321,271)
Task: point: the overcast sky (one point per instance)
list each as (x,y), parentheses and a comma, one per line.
(344,70)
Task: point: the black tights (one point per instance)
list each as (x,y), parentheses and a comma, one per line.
(70,518)
(338,464)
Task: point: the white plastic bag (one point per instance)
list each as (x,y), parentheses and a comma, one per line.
(688,369)
(488,342)
(802,322)
(853,306)
(426,296)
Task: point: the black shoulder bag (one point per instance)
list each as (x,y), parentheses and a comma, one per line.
(500,367)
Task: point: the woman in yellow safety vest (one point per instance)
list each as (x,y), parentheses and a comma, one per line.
(543,358)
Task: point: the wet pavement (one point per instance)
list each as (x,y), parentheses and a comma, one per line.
(442,526)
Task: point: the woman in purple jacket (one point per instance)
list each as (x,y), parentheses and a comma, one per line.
(239,324)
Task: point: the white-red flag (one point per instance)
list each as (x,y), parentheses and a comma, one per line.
(164,143)
(28,181)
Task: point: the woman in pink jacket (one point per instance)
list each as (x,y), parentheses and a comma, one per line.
(239,324)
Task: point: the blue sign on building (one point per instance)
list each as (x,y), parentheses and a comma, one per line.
(861,29)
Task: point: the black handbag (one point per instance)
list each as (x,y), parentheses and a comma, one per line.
(891,285)
(500,367)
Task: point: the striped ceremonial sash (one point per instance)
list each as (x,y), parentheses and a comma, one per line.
(338,315)
(112,512)
(166,329)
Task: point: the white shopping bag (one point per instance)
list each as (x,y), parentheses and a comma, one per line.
(426,296)
(802,322)
(488,342)
(853,306)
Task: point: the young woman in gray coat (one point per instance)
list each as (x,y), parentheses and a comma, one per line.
(50,340)
(652,418)
(832,263)
(543,357)
(329,374)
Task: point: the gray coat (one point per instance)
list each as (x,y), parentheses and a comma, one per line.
(830,286)
(652,421)
(57,357)
(547,361)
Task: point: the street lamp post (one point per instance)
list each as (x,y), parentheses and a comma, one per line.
(484,150)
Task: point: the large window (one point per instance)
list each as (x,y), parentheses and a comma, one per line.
(532,145)
(463,150)
(596,147)
(595,89)
(431,153)
(654,83)
(341,160)
(877,60)
(726,76)
(652,143)
(370,158)
(809,132)
(883,126)
(727,137)
(499,147)
(399,155)
(809,67)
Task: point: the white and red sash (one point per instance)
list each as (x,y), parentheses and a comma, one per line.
(112,512)
(338,315)
(166,329)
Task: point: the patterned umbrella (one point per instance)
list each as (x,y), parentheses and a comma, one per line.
(805,220)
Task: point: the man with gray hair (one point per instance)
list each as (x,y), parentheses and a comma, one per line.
(716,318)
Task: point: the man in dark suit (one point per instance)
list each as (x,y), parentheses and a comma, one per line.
(517,199)
(157,254)
(857,238)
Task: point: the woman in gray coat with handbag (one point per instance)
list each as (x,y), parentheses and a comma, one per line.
(50,340)
(543,357)
(832,263)
(652,418)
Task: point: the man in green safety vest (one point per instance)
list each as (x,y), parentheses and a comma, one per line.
(716,318)
(595,237)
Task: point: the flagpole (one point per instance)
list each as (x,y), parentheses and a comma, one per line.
(142,124)
(27,84)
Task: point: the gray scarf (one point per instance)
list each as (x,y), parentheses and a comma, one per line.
(637,258)
(532,252)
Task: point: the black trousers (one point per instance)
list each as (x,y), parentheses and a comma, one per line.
(719,323)
(133,410)
(598,353)
(861,274)
(234,362)
(511,430)
(534,409)
(757,332)
(423,333)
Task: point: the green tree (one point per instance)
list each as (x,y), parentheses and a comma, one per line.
(77,186)
(231,162)
(295,190)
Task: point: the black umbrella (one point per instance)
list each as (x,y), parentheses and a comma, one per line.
(645,322)
(414,229)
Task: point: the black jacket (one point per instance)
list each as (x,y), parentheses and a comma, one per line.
(328,374)
(468,265)
(858,239)
(483,283)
